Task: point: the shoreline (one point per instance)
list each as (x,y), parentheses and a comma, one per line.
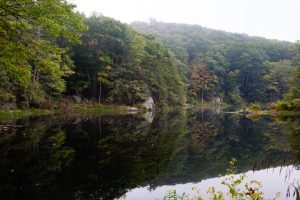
(268,112)
(101,109)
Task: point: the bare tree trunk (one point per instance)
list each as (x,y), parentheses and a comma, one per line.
(90,82)
(202,95)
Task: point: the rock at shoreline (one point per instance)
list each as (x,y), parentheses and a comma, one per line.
(149,116)
(149,104)
(77,99)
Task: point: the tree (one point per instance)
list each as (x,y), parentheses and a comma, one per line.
(139,66)
(276,77)
(202,82)
(236,59)
(231,88)
(103,77)
(29,53)
(294,91)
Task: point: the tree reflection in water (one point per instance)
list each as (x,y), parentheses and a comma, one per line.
(103,157)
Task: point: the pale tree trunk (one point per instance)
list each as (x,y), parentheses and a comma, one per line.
(90,83)
(202,95)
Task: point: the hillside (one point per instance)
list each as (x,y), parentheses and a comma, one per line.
(48,57)
(94,58)
(116,64)
(235,67)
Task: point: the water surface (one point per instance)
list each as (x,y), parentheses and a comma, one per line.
(108,156)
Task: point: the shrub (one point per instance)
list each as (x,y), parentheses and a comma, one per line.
(255,107)
(282,105)
(296,104)
(238,188)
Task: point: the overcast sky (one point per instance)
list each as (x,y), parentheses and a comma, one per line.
(274,19)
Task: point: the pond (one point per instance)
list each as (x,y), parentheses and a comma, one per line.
(143,156)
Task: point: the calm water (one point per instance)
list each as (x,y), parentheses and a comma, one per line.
(106,157)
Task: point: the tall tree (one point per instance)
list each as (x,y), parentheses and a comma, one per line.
(118,65)
(202,82)
(103,78)
(294,91)
(29,54)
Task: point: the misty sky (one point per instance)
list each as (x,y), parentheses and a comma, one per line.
(274,19)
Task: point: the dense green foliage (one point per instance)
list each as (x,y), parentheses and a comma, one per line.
(32,64)
(44,48)
(49,51)
(116,63)
(248,68)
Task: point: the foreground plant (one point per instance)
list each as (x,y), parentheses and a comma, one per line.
(238,189)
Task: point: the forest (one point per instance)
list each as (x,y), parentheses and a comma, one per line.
(75,90)
(50,53)
(235,67)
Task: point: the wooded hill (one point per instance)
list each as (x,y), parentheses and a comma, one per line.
(235,67)
(121,66)
(49,52)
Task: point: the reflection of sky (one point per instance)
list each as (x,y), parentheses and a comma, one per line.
(273,180)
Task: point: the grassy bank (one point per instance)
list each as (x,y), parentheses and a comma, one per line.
(100,109)
(23,113)
(258,113)
(198,105)
(280,108)
(93,108)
